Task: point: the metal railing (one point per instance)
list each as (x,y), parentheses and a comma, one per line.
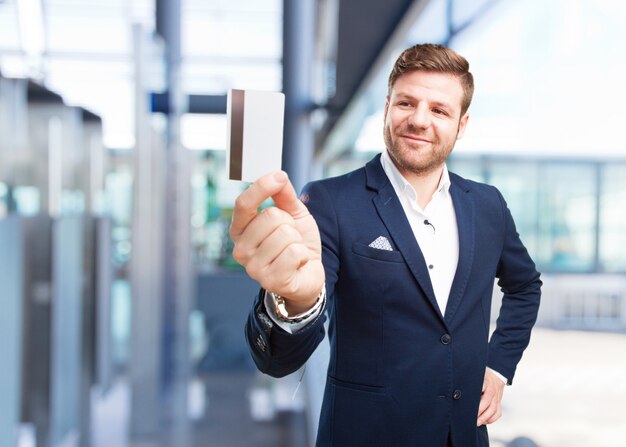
(594,302)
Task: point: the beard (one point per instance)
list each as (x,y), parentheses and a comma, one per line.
(417,160)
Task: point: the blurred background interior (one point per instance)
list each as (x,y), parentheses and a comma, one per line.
(122,308)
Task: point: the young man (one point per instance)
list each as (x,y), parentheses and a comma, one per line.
(402,254)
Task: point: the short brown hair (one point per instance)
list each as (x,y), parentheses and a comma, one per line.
(435,58)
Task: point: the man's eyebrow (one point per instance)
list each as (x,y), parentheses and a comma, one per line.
(404,95)
(442,104)
(437,103)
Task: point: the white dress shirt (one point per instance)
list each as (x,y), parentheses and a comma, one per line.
(434,228)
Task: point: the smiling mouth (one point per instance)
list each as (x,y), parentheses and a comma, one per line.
(416,138)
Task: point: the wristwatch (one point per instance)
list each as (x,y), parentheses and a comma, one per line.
(280,308)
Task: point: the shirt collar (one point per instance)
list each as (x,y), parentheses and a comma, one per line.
(402,186)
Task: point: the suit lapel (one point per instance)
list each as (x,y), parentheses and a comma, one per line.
(464,209)
(392,214)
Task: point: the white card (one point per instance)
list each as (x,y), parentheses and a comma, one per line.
(255,133)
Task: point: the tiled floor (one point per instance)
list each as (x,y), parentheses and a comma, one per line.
(569,391)
(225,422)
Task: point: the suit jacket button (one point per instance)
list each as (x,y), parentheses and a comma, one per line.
(456,395)
(446,339)
(260,343)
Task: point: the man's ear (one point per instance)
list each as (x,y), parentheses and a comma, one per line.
(462,126)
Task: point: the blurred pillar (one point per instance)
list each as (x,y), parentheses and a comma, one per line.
(147,257)
(11,345)
(298,58)
(298,66)
(177,267)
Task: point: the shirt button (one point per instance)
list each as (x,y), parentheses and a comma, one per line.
(456,395)
(446,339)
(430,266)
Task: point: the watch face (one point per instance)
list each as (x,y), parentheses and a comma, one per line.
(279,307)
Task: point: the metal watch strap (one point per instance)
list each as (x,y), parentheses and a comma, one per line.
(281,311)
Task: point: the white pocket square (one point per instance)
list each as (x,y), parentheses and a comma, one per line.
(381,243)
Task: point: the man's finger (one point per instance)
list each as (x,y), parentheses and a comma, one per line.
(485,401)
(482,415)
(271,247)
(286,199)
(496,415)
(490,415)
(249,201)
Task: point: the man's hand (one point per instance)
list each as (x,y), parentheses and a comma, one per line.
(279,247)
(490,408)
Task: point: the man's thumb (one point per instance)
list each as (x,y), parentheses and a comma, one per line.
(287,200)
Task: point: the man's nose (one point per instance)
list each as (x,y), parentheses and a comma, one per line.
(420,118)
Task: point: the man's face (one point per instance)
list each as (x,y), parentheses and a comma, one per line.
(423,120)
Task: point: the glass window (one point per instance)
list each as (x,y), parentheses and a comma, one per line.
(119,187)
(236,44)
(464,12)
(431,26)
(518,181)
(4,208)
(9,32)
(469,168)
(238,34)
(555,208)
(204,131)
(566,217)
(217,75)
(213,197)
(613,219)
(73,33)
(27,200)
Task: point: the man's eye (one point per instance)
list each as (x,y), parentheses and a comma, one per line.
(404,104)
(439,111)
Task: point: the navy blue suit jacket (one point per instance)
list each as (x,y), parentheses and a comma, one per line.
(400,372)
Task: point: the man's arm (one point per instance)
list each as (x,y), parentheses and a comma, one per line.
(520,283)
(275,351)
(281,249)
(521,287)
(490,407)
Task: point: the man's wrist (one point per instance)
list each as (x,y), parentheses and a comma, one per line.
(288,315)
(299,307)
(499,376)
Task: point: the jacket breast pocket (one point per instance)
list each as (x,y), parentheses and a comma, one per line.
(376,253)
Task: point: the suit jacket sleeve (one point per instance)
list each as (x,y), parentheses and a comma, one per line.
(275,351)
(521,287)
